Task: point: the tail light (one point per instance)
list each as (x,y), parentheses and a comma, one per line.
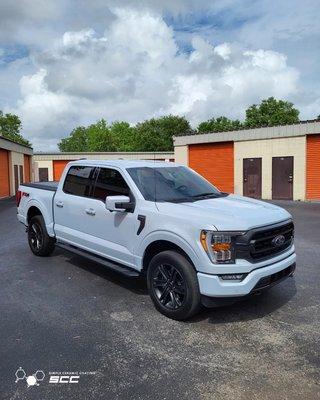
(18,197)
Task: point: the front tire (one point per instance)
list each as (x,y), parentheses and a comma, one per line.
(173,285)
(40,243)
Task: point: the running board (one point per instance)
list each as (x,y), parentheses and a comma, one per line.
(121,269)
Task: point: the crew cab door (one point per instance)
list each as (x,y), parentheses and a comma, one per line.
(92,226)
(70,203)
(114,232)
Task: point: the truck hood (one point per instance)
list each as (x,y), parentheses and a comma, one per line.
(230,213)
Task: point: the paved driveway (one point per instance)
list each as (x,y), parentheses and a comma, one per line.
(65,314)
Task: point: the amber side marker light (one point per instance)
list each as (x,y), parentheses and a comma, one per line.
(203,240)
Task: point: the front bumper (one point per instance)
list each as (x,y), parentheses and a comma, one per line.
(214,286)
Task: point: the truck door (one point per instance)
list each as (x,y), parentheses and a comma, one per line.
(69,206)
(82,219)
(113,233)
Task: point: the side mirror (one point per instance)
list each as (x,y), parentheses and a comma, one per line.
(119,203)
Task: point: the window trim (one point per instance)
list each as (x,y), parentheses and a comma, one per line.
(93,179)
(130,195)
(91,176)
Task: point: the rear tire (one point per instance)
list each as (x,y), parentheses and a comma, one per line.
(40,243)
(173,285)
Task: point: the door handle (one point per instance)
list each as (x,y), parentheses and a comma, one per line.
(59,204)
(90,211)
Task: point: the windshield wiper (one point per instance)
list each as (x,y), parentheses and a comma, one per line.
(179,200)
(205,195)
(191,199)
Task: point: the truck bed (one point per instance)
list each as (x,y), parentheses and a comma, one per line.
(52,185)
(40,195)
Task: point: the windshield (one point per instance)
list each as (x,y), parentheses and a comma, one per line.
(172,184)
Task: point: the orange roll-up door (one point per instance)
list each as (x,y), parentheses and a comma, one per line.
(313,167)
(215,162)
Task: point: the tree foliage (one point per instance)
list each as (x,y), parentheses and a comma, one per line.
(271,112)
(99,137)
(10,126)
(156,134)
(219,124)
(123,136)
(76,141)
(95,137)
(151,135)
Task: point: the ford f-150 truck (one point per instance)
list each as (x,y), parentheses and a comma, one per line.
(192,242)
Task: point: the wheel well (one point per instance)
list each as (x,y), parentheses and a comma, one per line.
(157,247)
(32,212)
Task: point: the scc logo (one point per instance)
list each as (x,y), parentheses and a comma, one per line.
(64,379)
(31,380)
(278,240)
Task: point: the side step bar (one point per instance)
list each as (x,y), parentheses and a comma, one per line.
(121,269)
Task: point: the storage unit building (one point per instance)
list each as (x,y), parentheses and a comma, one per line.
(279,162)
(49,166)
(15,166)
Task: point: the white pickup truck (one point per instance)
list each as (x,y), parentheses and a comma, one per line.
(193,243)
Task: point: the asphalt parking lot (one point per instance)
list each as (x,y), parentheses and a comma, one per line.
(64,314)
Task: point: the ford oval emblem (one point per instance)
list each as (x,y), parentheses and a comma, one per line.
(278,240)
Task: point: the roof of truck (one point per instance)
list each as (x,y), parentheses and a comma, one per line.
(126,163)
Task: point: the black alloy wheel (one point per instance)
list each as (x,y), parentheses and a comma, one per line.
(41,244)
(169,286)
(35,237)
(173,285)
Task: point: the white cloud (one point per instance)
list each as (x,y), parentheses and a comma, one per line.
(43,110)
(135,71)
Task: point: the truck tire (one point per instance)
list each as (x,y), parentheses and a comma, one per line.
(40,243)
(173,285)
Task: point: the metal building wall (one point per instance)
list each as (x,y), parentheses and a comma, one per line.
(266,149)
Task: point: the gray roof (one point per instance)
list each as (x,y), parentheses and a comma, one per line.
(270,132)
(84,153)
(10,145)
(124,163)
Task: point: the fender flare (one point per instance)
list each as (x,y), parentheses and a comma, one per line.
(169,237)
(47,218)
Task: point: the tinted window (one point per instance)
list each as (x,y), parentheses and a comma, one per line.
(77,181)
(110,183)
(173,184)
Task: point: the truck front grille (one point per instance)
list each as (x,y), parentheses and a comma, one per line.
(263,242)
(259,243)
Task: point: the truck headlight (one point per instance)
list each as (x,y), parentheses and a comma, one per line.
(220,246)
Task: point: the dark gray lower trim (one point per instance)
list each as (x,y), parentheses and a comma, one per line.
(116,267)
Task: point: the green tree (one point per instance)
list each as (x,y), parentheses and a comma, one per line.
(156,134)
(99,137)
(10,126)
(271,112)
(77,141)
(219,124)
(123,136)
(95,137)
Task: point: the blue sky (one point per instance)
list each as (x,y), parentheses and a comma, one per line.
(64,63)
